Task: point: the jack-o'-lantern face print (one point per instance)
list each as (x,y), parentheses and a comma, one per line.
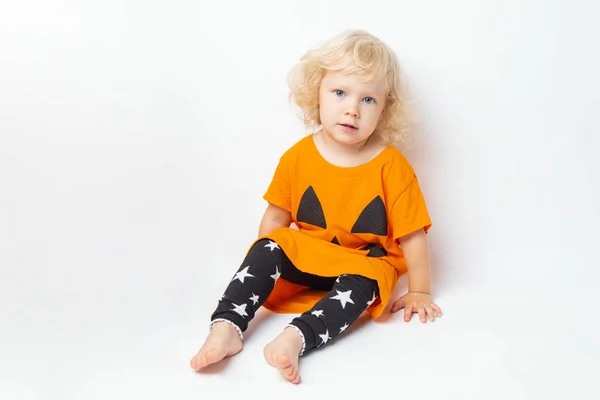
(358,219)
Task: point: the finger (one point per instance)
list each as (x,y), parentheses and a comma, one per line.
(430,313)
(437,309)
(397,306)
(408,312)
(421,311)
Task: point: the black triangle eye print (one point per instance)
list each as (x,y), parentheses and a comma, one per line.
(373,219)
(310,210)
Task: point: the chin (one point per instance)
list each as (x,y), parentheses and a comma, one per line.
(352,141)
(345,137)
(349,139)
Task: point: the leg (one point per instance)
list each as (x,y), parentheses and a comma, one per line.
(245,294)
(348,299)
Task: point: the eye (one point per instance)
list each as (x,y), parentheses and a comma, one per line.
(369,100)
(338,92)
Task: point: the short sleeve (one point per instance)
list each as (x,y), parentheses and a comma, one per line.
(279,192)
(409,211)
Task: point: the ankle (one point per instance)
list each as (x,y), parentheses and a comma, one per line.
(222,324)
(293,329)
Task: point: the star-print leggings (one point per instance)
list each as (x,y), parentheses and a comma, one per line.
(348,295)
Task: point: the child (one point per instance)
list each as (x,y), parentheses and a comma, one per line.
(361,219)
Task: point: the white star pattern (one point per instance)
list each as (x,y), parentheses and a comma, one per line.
(272,245)
(317,313)
(325,337)
(277,274)
(343,328)
(254,298)
(372,300)
(343,297)
(240,309)
(242,275)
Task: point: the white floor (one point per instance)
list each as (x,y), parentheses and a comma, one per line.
(94,334)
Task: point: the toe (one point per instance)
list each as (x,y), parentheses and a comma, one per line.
(282,361)
(195,361)
(212,356)
(285,366)
(289,372)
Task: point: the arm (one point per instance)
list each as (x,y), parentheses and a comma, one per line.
(274,218)
(418,299)
(416,253)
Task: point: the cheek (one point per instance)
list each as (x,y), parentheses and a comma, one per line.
(374,116)
(327,108)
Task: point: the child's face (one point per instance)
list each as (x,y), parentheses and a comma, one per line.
(350,107)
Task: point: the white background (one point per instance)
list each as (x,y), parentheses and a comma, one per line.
(138,137)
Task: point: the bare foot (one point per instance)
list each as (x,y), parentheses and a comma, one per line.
(222,341)
(283,353)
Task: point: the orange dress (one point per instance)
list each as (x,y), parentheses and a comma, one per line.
(347,219)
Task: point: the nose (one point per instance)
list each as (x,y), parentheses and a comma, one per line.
(352,110)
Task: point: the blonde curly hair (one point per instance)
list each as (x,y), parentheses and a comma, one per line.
(359,53)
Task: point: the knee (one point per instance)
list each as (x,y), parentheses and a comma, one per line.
(264,245)
(359,282)
(265,253)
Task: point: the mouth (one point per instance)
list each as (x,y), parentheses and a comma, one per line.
(348,126)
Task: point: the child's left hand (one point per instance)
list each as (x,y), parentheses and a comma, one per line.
(420,303)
